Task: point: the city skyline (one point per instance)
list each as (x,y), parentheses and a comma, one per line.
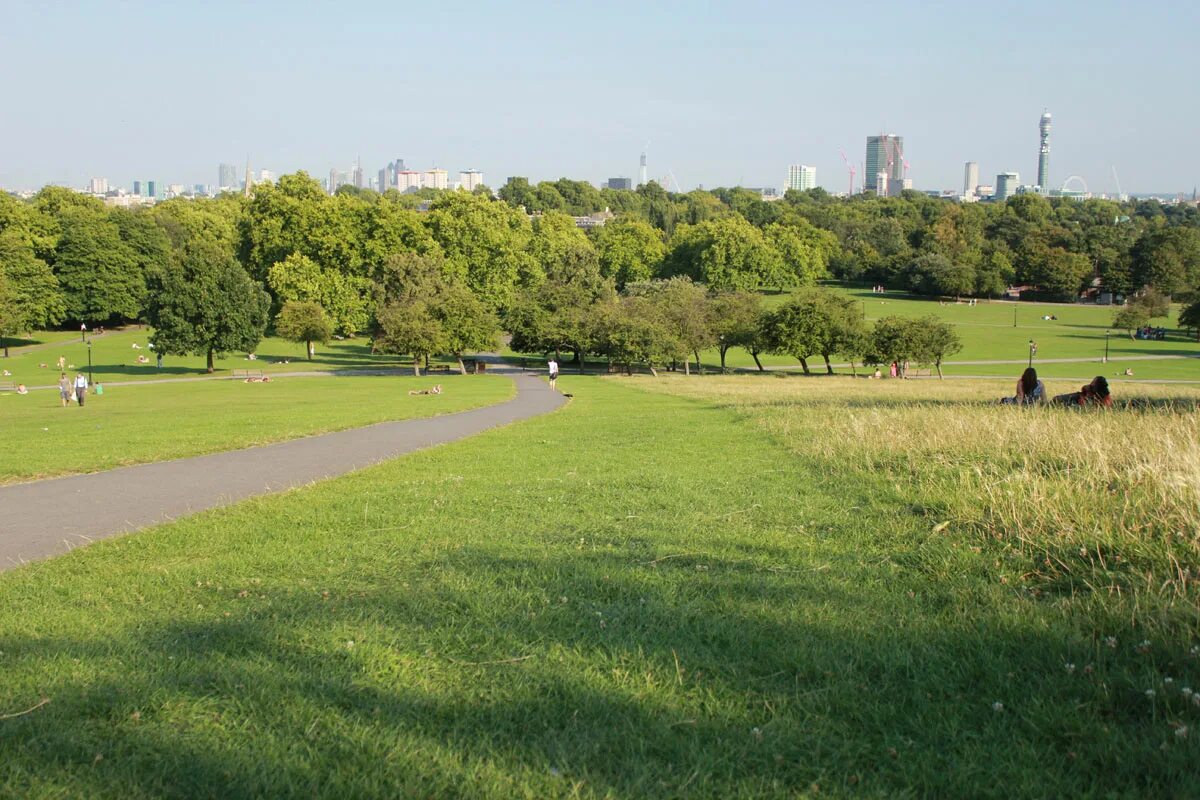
(566,108)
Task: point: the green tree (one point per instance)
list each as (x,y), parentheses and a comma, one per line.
(409,328)
(29,293)
(801,259)
(736,322)
(933,340)
(683,308)
(344,298)
(892,341)
(98,272)
(1189,317)
(629,251)
(1154,302)
(303,321)
(632,331)
(204,303)
(796,328)
(486,243)
(467,324)
(934,274)
(1130,318)
(1168,259)
(727,253)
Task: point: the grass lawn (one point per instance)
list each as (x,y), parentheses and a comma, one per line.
(134,424)
(769,587)
(114,358)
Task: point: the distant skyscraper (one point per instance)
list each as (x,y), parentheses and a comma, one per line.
(137,187)
(622,184)
(970,178)
(356,175)
(336,179)
(228,174)
(248,184)
(885,154)
(1043,180)
(468,179)
(436,179)
(151,190)
(265,176)
(801,177)
(1006,185)
(98,185)
(384,180)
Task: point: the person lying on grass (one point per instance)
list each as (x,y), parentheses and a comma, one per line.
(435,390)
(1095,393)
(1030,390)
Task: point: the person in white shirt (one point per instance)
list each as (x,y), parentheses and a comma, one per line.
(553,368)
(81,386)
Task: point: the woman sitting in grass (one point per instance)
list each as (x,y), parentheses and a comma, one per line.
(1095,393)
(1030,390)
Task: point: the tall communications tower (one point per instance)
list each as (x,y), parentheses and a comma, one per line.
(644,181)
(1044,154)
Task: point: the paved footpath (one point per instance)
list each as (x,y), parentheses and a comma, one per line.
(46,518)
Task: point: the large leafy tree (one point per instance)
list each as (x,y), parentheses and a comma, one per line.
(1189,317)
(935,274)
(30,297)
(344,298)
(486,243)
(727,253)
(933,340)
(630,250)
(683,308)
(1168,259)
(736,322)
(467,324)
(303,322)
(100,275)
(204,303)
(797,328)
(409,328)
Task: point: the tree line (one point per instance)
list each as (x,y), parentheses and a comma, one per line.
(212,275)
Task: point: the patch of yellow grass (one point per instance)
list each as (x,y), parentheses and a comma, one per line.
(1110,490)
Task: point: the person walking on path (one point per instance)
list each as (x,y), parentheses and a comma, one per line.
(83,331)
(64,389)
(81,385)
(552,365)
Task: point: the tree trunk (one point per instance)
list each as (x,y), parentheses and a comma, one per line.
(5,340)
(417,365)
(687,367)
(722,351)
(804,364)
(308,346)
(427,362)
(828,366)
(211,368)
(699,366)
(853,371)
(653,371)
(580,361)
(938,365)
(462,368)
(754,355)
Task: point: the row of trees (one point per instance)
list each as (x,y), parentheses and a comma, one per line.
(212,274)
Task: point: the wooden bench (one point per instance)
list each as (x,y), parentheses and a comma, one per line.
(247,373)
(918,373)
(438,368)
(7,386)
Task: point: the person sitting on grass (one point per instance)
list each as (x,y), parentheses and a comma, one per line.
(1030,390)
(1095,393)
(435,390)
(21,389)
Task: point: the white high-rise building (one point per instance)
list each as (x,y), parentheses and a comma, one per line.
(970,179)
(266,176)
(436,179)
(98,186)
(468,179)
(408,180)
(801,177)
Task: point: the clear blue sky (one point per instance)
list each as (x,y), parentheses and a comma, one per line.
(724,93)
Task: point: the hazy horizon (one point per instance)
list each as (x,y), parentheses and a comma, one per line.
(724,95)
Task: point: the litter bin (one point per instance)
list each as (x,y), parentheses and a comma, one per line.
(480,367)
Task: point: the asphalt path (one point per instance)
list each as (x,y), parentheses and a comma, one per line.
(46,518)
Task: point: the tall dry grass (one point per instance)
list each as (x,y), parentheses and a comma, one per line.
(1103,498)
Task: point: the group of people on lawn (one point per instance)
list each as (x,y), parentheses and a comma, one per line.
(1031,391)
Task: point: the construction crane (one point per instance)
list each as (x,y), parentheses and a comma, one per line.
(851,169)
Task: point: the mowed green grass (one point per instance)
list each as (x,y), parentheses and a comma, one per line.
(135,424)
(114,358)
(640,595)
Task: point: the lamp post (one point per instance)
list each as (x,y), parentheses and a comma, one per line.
(1032,351)
(90,379)
(1106,335)
(864,307)
(1014,314)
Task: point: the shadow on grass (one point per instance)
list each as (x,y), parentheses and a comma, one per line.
(631,672)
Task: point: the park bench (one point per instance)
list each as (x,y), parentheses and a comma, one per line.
(7,386)
(918,373)
(438,368)
(474,366)
(247,373)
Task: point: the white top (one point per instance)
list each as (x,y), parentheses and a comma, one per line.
(81,382)
(553,365)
